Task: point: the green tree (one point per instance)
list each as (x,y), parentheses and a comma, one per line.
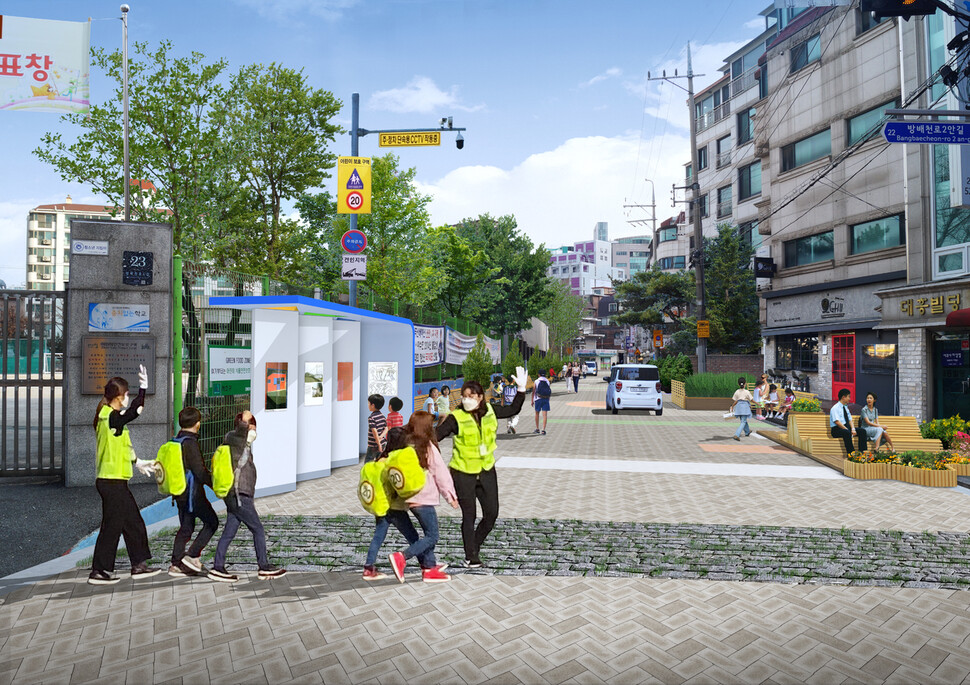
(563,315)
(732,299)
(464,268)
(513,359)
(534,365)
(655,297)
(478,364)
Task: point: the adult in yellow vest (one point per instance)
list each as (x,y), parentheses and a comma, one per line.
(115,457)
(474,423)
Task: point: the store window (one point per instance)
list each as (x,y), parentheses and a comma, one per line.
(806,150)
(868,122)
(806,52)
(810,249)
(878,359)
(796,352)
(877,235)
(749,181)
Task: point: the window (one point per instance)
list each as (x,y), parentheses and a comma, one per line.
(688,170)
(866,21)
(806,150)
(575,269)
(723,202)
(555,270)
(702,158)
(637,373)
(613,306)
(749,234)
(863,123)
(43,220)
(878,359)
(621,265)
(749,181)
(702,203)
(679,262)
(877,235)
(743,70)
(796,352)
(746,125)
(667,234)
(621,253)
(805,53)
(723,151)
(810,249)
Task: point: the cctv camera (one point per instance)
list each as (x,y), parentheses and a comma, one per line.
(460,142)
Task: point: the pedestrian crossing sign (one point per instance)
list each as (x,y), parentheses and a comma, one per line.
(353,185)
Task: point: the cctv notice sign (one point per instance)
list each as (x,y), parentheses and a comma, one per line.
(353,185)
(410,139)
(354,267)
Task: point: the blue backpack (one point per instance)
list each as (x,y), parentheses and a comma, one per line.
(543,390)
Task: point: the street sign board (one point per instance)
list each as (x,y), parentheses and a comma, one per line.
(354,267)
(410,139)
(658,339)
(353,241)
(703,329)
(934,132)
(353,185)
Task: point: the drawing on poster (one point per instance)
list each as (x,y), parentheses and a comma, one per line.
(382,379)
(276,374)
(313,383)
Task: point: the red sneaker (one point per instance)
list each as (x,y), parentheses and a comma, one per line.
(371,573)
(397,565)
(434,575)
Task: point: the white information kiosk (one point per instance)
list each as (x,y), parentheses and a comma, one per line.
(314,364)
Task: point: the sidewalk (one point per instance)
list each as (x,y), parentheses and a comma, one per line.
(625,494)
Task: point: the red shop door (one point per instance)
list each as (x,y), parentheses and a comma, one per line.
(843,365)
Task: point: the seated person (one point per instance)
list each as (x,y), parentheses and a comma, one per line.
(786,403)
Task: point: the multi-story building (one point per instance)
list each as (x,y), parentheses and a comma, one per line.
(672,244)
(832,206)
(632,254)
(585,265)
(49,241)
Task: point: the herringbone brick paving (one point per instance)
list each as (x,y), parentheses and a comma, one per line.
(333,627)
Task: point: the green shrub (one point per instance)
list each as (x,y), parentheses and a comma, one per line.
(674,367)
(943,430)
(535,364)
(813,405)
(478,364)
(713,384)
(512,359)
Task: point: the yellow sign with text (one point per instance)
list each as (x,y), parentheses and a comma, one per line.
(658,339)
(703,329)
(353,185)
(410,139)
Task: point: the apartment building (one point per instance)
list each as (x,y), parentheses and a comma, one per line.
(832,210)
(49,241)
(632,254)
(672,244)
(587,265)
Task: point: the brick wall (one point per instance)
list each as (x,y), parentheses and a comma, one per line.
(913,354)
(732,363)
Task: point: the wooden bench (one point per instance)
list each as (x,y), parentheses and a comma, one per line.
(809,434)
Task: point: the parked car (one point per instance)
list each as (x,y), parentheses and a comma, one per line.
(590,367)
(634,386)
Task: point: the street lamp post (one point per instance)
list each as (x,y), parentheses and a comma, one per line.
(356,132)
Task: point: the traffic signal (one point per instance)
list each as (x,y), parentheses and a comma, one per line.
(899,8)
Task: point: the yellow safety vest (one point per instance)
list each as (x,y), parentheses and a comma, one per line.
(467,453)
(115,455)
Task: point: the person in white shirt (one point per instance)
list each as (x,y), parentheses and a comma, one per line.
(742,408)
(840,422)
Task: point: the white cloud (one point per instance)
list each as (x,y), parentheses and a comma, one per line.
(758,24)
(289,11)
(558,196)
(612,72)
(419,95)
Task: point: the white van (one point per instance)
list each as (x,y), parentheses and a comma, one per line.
(635,386)
(590,367)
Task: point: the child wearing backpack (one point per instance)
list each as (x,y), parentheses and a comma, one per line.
(240,507)
(396,439)
(192,502)
(438,482)
(541,392)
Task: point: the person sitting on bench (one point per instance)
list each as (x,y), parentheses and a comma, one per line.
(840,421)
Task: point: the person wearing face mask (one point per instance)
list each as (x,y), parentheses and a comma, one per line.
(240,507)
(474,423)
(115,456)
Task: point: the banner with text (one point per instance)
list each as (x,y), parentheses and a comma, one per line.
(429,345)
(44,64)
(458,345)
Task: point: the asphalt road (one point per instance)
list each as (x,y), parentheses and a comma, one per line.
(42,519)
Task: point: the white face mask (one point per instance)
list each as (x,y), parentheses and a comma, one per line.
(124,401)
(251,436)
(469,403)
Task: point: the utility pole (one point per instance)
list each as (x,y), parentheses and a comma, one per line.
(697,254)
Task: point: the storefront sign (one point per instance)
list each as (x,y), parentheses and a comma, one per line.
(230,370)
(106,356)
(928,305)
(853,304)
(429,345)
(932,305)
(952,358)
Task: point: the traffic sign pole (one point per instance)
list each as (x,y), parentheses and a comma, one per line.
(354,125)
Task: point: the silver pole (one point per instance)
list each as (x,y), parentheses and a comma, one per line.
(354,126)
(124,99)
(698,229)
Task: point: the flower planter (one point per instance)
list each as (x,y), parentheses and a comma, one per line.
(960,469)
(934,479)
(868,471)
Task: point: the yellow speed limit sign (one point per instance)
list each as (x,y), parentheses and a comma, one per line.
(353,185)
(703,329)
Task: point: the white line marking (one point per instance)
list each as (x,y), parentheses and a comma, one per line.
(684,468)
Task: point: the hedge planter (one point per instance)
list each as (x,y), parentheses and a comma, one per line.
(868,471)
(679,399)
(933,479)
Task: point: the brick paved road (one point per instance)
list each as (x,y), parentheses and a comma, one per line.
(332,627)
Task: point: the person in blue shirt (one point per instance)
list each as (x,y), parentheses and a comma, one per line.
(840,421)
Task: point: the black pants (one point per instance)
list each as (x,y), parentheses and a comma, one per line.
(846,436)
(119,516)
(469,487)
(201,510)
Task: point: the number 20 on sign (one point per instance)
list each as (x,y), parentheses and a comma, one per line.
(353,185)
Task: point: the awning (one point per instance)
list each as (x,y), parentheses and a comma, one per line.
(820,328)
(958,319)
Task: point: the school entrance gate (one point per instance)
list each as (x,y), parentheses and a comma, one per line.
(32,409)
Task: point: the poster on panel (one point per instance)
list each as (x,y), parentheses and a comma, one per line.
(276,376)
(429,345)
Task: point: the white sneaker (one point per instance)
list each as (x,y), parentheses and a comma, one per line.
(194,563)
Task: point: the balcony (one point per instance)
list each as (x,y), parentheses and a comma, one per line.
(708,119)
(748,79)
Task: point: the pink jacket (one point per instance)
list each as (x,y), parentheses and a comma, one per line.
(436,484)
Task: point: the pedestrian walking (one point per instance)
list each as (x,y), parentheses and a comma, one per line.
(396,439)
(575,378)
(394,417)
(741,407)
(120,516)
(567,374)
(437,483)
(541,392)
(474,425)
(240,507)
(869,423)
(193,505)
(508,397)
(840,421)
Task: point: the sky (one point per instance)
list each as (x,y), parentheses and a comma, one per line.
(563,128)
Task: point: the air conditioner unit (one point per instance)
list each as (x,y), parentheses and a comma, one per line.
(45,259)
(45,277)
(45,241)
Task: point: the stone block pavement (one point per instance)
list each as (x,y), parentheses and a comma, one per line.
(315,626)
